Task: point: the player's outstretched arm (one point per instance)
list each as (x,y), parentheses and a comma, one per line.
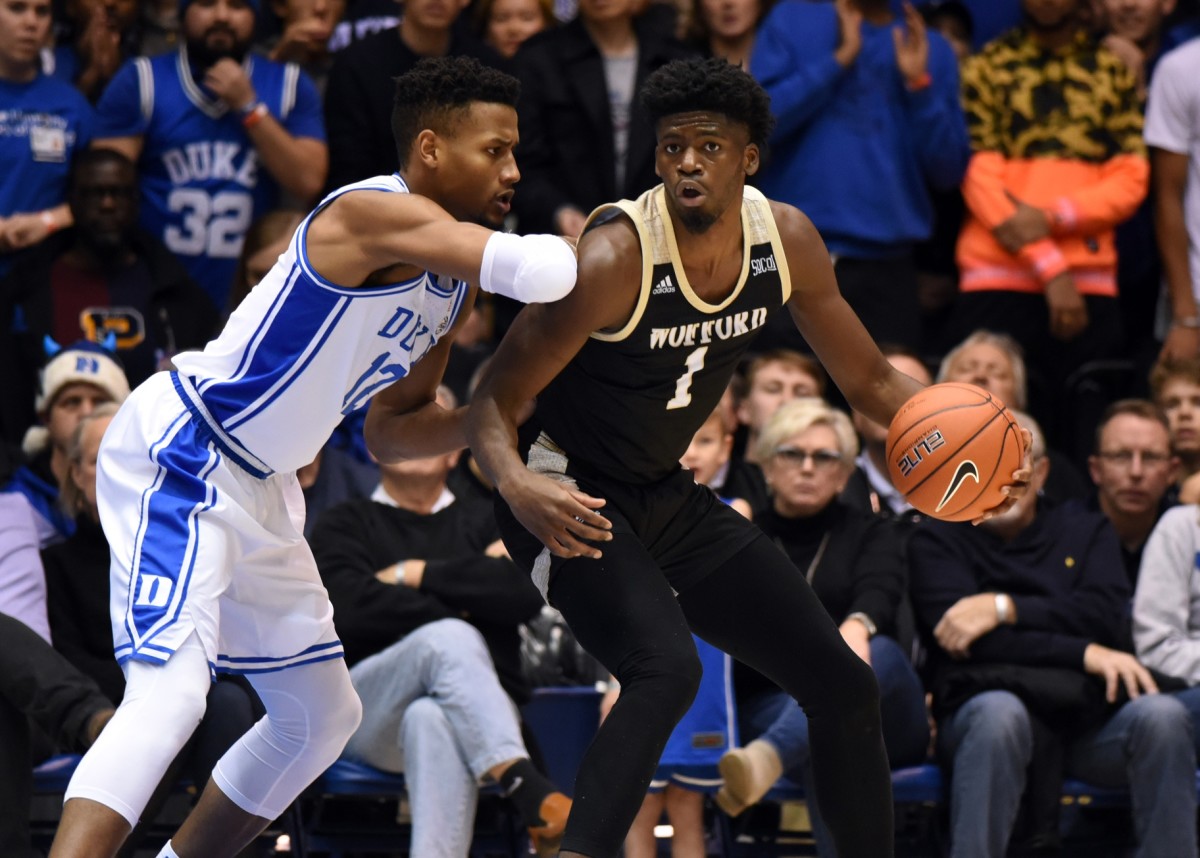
(541,341)
(852,359)
(405,421)
(365,231)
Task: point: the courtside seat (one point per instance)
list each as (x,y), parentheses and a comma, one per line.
(1086,795)
(349,777)
(52,776)
(917,784)
(563,720)
(780,826)
(356,808)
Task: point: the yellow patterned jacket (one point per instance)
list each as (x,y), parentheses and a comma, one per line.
(1060,130)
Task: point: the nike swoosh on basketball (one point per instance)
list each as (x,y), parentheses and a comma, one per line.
(966,468)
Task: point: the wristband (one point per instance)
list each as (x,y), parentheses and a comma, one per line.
(398,573)
(920,82)
(48,221)
(254,114)
(1002,611)
(1186,322)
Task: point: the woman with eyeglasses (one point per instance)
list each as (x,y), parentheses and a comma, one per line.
(855,564)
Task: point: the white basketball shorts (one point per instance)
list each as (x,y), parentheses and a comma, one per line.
(200,544)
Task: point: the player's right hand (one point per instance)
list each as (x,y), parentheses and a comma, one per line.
(563,518)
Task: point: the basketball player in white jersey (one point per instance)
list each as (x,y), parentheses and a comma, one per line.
(196,485)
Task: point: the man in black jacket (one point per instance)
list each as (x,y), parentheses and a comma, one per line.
(1028,617)
(104,275)
(360,89)
(585,139)
(427,605)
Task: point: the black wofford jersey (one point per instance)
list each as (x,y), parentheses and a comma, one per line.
(628,404)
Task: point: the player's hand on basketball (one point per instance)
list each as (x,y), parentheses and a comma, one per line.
(968,619)
(1018,486)
(228,81)
(1116,667)
(1068,312)
(563,518)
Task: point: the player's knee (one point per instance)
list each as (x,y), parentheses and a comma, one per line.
(169,695)
(343,718)
(854,695)
(672,674)
(320,723)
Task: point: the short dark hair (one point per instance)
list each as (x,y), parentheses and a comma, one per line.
(788,357)
(93,157)
(1142,408)
(714,85)
(1184,369)
(438,90)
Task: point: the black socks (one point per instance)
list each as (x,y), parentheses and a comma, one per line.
(526,787)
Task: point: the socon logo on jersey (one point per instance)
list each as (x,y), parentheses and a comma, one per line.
(763,265)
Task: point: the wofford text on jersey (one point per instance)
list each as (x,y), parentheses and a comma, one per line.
(724,328)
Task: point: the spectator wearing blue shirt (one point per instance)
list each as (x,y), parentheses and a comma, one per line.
(869,120)
(216,134)
(42,123)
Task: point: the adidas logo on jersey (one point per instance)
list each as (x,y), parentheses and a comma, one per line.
(663,287)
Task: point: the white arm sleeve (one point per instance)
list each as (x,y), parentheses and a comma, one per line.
(533,269)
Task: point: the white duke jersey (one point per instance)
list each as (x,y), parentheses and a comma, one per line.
(202,184)
(301,352)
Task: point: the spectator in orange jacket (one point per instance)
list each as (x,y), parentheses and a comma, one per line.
(1058,162)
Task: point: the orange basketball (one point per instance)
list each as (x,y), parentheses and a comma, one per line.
(950,448)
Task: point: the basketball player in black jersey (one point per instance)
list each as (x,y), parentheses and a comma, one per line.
(670,291)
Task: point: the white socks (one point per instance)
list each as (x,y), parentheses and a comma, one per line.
(167,852)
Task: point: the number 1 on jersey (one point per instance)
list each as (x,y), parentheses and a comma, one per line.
(683,385)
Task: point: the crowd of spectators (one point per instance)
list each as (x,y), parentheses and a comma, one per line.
(1010,192)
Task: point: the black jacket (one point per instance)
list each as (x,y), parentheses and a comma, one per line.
(566,151)
(355,540)
(359,96)
(862,568)
(178,315)
(77,597)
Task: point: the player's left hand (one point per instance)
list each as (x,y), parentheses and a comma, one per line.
(228,82)
(1019,486)
(968,619)
(562,517)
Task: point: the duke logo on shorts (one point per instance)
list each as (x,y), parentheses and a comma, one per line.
(196,484)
